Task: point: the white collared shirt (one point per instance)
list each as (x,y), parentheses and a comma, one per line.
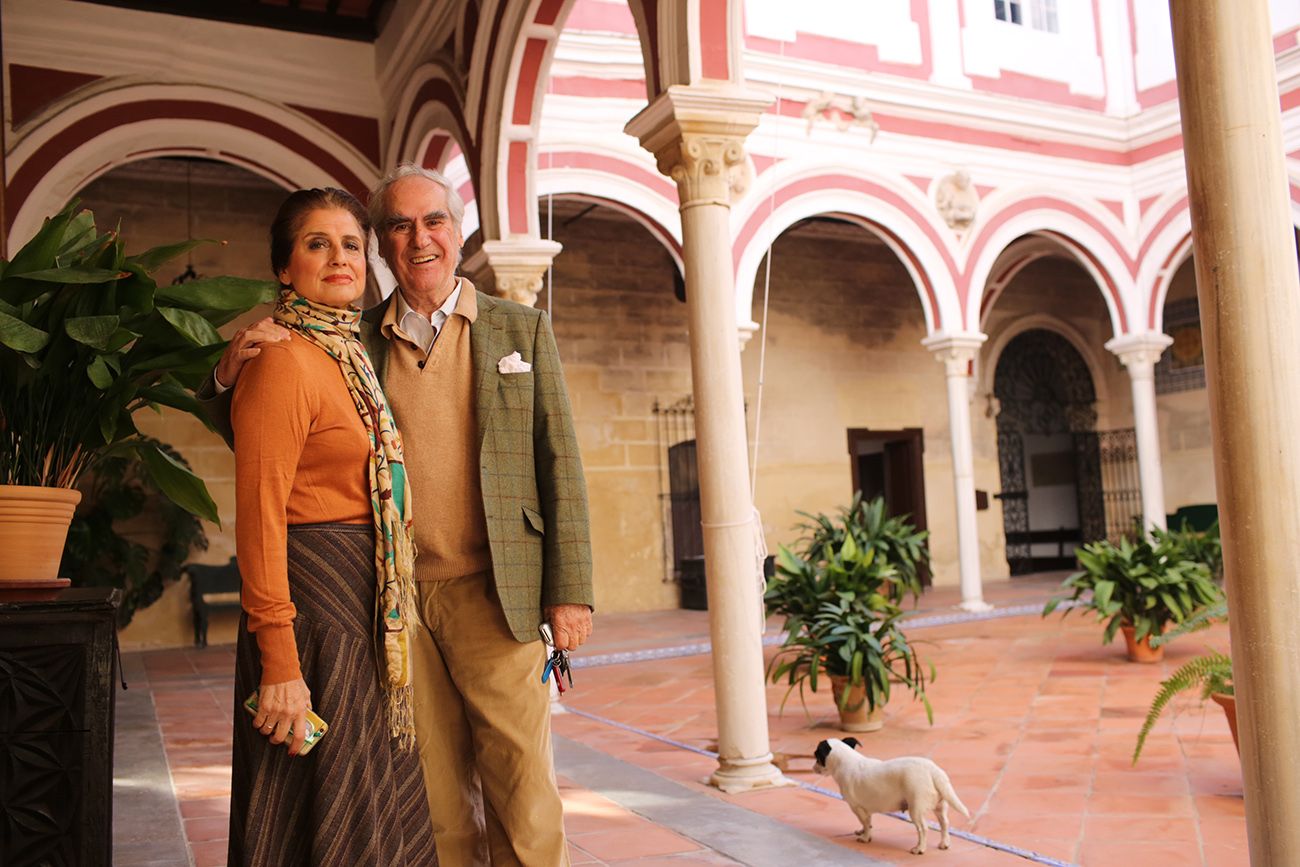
(423,331)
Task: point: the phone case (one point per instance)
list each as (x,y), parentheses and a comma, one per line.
(316,727)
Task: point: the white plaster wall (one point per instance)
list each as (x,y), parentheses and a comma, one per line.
(886,24)
(991,46)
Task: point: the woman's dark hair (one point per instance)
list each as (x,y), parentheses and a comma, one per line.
(300,203)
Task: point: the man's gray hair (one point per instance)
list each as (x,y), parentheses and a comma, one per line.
(379,214)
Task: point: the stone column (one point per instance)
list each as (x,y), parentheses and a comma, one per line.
(697,134)
(1140,352)
(1250,316)
(958,351)
(513,268)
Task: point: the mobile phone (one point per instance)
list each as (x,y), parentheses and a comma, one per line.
(316,727)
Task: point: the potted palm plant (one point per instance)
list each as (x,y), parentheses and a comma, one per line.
(1140,588)
(841,592)
(87,338)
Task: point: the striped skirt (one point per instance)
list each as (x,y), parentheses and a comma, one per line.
(355,799)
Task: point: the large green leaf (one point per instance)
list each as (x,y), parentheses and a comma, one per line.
(38,253)
(75,275)
(151,260)
(180,485)
(173,395)
(99,373)
(218,293)
(191,326)
(19,336)
(93,331)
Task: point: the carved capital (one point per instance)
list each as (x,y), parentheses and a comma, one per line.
(1140,352)
(512,269)
(697,134)
(956,350)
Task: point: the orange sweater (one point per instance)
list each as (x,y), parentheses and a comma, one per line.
(301,457)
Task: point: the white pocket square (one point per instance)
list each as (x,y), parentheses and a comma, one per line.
(512,363)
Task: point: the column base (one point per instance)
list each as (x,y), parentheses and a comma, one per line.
(745,775)
(974,606)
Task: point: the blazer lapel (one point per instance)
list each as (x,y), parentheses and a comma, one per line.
(372,338)
(487,343)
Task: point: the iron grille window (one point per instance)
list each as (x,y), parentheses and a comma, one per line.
(1042,13)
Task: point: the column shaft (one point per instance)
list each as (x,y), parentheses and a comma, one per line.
(1250,316)
(1142,378)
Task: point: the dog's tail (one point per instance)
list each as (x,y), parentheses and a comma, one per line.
(947,792)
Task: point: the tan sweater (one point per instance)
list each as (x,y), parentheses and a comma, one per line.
(434,406)
(301,457)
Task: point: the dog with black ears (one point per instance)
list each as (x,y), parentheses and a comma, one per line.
(869,785)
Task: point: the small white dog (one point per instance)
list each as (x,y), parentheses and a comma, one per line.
(869,785)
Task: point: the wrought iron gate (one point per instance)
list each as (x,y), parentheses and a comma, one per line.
(679,486)
(1121,484)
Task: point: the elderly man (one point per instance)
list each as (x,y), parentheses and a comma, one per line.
(500,524)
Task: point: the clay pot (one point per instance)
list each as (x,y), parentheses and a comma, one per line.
(33,527)
(854,716)
(1229,705)
(1141,651)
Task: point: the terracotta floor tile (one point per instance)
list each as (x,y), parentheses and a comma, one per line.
(1226,856)
(207,828)
(1123,828)
(622,845)
(1105,853)
(197,807)
(1139,805)
(212,854)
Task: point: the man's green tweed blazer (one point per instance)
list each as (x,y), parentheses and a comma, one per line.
(534,495)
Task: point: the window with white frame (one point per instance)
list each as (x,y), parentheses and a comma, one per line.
(1042,13)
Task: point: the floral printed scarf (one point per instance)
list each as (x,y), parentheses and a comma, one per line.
(335,330)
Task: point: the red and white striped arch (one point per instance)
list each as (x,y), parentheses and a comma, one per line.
(112,126)
(682,41)
(429,120)
(1084,229)
(891,208)
(1168,245)
(616,182)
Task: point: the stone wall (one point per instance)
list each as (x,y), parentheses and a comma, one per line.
(1187,457)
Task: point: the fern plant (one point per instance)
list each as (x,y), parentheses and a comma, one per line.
(1211,673)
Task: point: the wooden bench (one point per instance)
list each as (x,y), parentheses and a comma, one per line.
(1072,536)
(211,587)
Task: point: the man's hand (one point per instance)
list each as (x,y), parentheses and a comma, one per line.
(245,345)
(571,625)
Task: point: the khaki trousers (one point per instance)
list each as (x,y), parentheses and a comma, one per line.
(483,725)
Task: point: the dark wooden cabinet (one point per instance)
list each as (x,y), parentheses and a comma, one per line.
(57,667)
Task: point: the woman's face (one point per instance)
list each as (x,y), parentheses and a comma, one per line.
(328,262)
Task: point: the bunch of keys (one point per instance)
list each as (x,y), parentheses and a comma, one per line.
(557,663)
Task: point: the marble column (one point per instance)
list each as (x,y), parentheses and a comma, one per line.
(513,268)
(1139,353)
(958,352)
(697,134)
(1250,315)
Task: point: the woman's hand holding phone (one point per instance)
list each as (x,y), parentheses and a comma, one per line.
(282,708)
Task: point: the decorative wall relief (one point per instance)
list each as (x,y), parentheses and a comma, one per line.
(842,111)
(956,200)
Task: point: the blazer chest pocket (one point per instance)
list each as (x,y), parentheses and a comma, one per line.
(517,390)
(533,520)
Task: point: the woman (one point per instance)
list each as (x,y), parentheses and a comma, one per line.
(326,559)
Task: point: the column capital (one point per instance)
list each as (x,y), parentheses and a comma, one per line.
(512,269)
(1139,351)
(956,349)
(697,133)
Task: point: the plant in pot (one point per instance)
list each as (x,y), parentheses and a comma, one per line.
(1140,588)
(841,593)
(1211,674)
(87,338)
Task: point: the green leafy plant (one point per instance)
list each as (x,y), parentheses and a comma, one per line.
(1199,546)
(1211,673)
(1147,584)
(841,601)
(99,552)
(88,338)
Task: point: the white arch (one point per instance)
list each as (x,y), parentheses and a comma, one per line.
(144,139)
(906,232)
(1068,229)
(1170,248)
(411,132)
(988,359)
(659,215)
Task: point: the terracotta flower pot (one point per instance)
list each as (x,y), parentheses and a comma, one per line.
(854,716)
(33,527)
(1229,705)
(1141,651)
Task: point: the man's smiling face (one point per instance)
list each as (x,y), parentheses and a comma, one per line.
(420,242)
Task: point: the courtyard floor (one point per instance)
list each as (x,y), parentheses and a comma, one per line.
(1034,721)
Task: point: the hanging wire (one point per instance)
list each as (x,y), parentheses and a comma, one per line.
(760,539)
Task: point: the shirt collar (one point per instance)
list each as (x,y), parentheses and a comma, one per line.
(448,307)
(463,303)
